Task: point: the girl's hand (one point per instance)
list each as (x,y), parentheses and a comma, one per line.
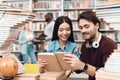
(42,63)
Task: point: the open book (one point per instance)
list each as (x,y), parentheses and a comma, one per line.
(55,61)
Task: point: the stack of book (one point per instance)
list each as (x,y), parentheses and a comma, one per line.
(111,70)
(101,74)
(27,77)
(10,22)
(31,73)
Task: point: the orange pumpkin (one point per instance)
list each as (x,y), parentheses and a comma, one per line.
(8,67)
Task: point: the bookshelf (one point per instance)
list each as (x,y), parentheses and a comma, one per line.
(107,9)
(110,14)
(41,7)
(72,8)
(19,4)
(107,2)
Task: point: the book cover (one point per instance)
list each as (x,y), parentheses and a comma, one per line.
(27,77)
(50,75)
(55,61)
(31,68)
(53,64)
(61,61)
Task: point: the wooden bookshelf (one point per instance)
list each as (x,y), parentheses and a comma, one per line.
(108,9)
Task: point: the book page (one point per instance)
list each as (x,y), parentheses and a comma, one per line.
(62,63)
(53,64)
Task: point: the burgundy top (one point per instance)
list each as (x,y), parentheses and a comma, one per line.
(98,56)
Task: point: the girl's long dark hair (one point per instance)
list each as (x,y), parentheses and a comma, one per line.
(58,22)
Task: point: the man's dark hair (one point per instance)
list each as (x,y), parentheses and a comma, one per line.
(89,16)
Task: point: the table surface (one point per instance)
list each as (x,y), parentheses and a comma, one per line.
(81,76)
(77,79)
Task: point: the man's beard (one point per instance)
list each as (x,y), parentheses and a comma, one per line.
(91,37)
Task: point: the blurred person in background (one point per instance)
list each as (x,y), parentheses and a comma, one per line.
(26,41)
(49,27)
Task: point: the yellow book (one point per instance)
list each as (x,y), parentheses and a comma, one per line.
(31,68)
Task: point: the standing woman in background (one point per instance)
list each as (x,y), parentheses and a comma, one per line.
(26,41)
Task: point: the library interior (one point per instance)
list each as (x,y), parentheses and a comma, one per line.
(36,37)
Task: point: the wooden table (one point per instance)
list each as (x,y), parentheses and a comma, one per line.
(77,79)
